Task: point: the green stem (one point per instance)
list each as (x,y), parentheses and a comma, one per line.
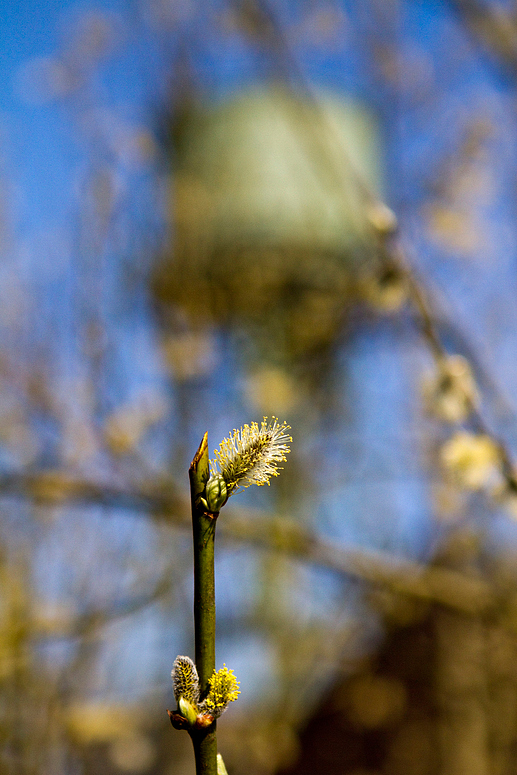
(205,751)
(203,524)
(204,597)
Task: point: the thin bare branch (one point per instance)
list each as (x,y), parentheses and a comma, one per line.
(427,582)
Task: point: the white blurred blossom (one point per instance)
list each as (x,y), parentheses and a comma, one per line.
(474,460)
(451,392)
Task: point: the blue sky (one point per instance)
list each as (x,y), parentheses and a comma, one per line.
(50,149)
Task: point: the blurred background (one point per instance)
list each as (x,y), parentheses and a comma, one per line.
(211,212)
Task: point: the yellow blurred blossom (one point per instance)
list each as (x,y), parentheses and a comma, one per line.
(382,218)
(98,722)
(190,355)
(454,227)
(473,459)
(125,428)
(386,289)
(272,389)
(451,391)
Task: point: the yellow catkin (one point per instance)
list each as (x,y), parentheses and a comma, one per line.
(224,688)
(252,454)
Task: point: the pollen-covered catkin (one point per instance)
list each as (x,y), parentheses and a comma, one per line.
(252,454)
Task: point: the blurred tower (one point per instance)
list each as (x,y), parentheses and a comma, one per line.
(271,209)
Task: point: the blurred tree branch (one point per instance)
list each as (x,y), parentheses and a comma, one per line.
(494,26)
(426,321)
(453,589)
(84,624)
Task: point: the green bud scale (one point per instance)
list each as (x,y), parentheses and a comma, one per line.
(216,493)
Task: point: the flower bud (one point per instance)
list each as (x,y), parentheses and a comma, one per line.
(223,689)
(216,493)
(187,710)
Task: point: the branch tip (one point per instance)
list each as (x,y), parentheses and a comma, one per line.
(199,469)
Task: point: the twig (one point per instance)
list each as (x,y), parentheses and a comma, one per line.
(254,527)
(494,26)
(453,589)
(203,523)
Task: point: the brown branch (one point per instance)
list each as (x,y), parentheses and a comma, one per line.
(84,624)
(427,582)
(494,26)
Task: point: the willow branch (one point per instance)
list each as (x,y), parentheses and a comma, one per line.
(203,525)
(494,26)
